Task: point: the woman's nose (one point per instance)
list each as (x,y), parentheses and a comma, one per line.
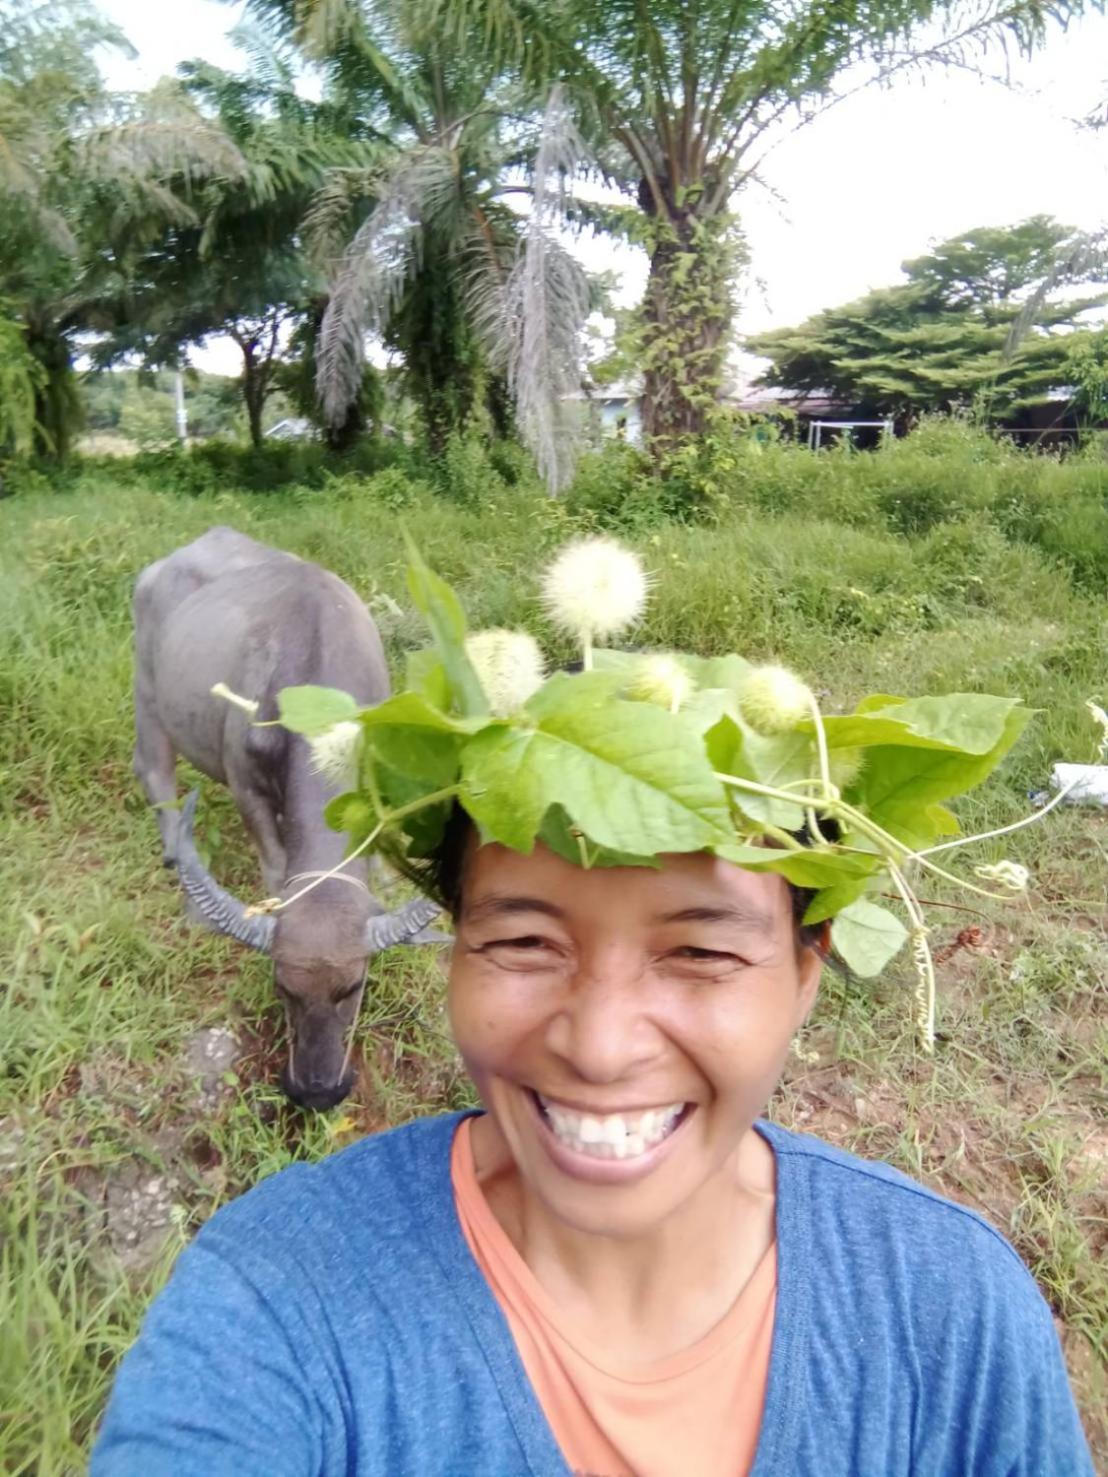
(603,1030)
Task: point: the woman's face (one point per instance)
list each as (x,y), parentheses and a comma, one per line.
(624,1026)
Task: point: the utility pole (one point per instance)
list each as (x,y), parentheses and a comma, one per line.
(182,413)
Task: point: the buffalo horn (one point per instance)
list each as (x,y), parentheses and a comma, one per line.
(407,925)
(219,910)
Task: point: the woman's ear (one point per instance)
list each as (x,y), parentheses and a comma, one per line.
(809,969)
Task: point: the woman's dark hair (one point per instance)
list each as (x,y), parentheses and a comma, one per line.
(442,873)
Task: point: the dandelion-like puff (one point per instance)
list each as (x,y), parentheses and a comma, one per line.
(509,666)
(335,754)
(774,700)
(660,679)
(594,589)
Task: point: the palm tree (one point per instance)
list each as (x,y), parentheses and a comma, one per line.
(238,268)
(81,171)
(681,99)
(423,247)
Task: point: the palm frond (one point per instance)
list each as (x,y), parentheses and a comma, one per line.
(326,227)
(167,138)
(21,378)
(1082,259)
(322,24)
(374,268)
(28,31)
(269,56)
(546,302)
(18,175)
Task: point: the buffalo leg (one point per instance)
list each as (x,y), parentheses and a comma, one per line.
(155,767)
(256,810)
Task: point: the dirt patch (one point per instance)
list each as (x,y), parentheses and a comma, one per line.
(209,1060)
(140,1211)
(261,1052)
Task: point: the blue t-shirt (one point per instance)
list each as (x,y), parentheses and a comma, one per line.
(333,1321)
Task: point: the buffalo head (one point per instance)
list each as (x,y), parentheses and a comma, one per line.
(321,948)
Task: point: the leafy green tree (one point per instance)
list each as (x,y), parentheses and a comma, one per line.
(423,248)
(992,267)
(944,337)
(125,400)
(1087,375)
(21,379)
(681,99)
(82,174)
(238,269)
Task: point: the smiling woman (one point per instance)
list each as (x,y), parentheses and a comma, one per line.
(617,1267)
(624,1032)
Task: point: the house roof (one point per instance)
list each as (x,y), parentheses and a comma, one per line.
(766,399)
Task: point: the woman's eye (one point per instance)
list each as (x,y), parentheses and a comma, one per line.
(529,943)
(689,953)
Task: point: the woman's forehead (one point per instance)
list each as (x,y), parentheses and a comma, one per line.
(683,887)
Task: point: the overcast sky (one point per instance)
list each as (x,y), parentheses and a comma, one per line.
(873,181)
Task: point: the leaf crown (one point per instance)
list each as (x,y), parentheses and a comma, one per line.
(637,756)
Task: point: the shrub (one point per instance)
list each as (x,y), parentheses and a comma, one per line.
(614,487)
(466,473)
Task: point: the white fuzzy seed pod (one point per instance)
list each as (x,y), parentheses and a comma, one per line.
(509,667)
(846,765)
(594,589)
(774,700)
(660,679)
(335,754)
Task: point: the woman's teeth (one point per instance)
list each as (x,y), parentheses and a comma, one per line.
(616,1136)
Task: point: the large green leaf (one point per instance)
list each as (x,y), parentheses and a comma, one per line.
(414,710)
(427,676)
(899,785)
(557,832)
(633,777)
(351,813)
(427,756)
(312,710)
(707,706)
(805,867)
(774,760)
(727,672)
(611,659)
(442,610)
(866,937)
(970,722)
(831,900)
(411,737)
(575,689)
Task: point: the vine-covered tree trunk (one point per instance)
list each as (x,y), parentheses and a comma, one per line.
(253,394)
(257,341)
(443,369)
(59,413)
(687,314)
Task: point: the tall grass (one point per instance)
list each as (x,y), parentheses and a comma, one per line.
(939,564)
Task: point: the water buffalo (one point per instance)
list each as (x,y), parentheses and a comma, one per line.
(227,609)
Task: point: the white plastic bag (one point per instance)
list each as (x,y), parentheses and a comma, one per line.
(1090,783)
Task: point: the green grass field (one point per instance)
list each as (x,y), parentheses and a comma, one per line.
(828,567)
